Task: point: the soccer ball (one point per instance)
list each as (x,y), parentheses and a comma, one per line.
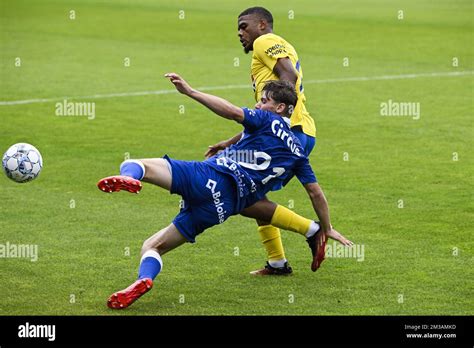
(22,162)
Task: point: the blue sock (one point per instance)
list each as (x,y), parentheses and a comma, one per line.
(150,265)
(132,168)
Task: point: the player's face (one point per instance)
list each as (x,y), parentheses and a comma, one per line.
(248,31)
(268,104)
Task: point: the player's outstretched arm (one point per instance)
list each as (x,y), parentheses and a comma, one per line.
(218,105)
(321,208)
(320,205)
(221,145)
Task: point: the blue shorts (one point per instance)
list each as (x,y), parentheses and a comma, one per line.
(210,197)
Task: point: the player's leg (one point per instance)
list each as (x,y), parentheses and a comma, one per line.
(154,247)
(156,171)
(151,265)
(163,241)
(270,234)
(277,264)
(209,198)
(270,213)
(276,216)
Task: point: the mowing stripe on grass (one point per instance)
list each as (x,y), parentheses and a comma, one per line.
(215,88)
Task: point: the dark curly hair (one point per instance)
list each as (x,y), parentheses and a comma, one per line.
(282,92)
(261,12)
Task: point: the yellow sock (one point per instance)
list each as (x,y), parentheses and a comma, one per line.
(289,220)
(271,240)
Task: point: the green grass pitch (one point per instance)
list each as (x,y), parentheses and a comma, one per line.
(402,187)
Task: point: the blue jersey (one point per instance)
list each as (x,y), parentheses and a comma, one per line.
(267,155)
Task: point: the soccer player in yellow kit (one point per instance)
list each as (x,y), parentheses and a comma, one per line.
(273,58)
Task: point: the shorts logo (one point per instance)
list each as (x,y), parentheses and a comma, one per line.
(211,185)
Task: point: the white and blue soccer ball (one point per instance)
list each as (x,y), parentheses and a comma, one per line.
(22,162)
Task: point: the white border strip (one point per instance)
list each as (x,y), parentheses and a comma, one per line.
(209,88)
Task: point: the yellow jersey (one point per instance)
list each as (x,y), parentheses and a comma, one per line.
(266,51)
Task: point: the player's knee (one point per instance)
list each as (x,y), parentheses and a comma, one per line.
(145,163)
(262,222)
(151,163)
(147,245)
(153,244)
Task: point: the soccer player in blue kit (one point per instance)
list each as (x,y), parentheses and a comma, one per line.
(225,184)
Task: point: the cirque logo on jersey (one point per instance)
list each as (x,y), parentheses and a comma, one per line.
(277,129)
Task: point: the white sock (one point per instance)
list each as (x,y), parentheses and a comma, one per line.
(154,254)
(277,263)
(150,265)
(313,228)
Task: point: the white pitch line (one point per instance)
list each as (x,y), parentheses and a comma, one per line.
(214,88)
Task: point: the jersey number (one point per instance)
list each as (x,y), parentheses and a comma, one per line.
(277,170)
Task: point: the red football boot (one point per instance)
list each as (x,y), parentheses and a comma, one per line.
(119,182)
(124,298)
(317,243)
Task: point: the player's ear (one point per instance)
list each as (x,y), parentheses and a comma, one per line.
(280,109)
(262,25)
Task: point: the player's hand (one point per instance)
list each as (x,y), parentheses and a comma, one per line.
(213,149)
(181,85)
(333,234)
